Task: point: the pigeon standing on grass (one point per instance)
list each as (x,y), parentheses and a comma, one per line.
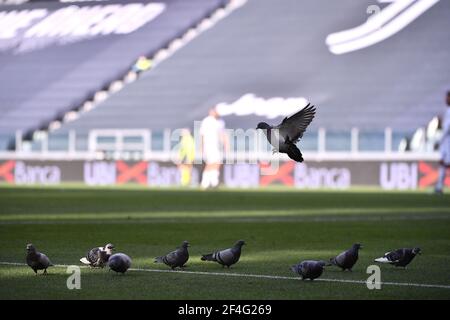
(36,260)
(284,136)
(400,257)
(226,257)
(310,269)
(98,257)
(347,259)
(177,258)
(119,262)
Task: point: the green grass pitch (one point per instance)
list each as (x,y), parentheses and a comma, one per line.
(281,227)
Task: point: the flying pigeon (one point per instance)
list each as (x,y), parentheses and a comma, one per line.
(119,262)
(226,257)
(284,136)
(400,257)
(347,259)
(176,258)
(36,260)
(309,269)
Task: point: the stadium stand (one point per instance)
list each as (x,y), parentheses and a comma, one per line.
(269,51)
(45,75)
(280,51)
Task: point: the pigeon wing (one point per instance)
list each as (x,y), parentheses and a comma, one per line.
(44,260)
(295,125)
(171,258)
(304,268)
(226,257)
(341,259)
(394,256)
(93,255)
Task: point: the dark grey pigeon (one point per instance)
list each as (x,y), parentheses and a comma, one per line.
(309,269)
(98,257)
(177,258)
(347,259)
(226,257)
(400,257)
(36,260)
(119,262)
(284,136)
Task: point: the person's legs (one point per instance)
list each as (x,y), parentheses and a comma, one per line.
(206,177)
(441,178)
(215,173)
(211,173)
(444,165)
(185,172)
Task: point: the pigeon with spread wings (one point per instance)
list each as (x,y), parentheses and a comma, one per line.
(284,136)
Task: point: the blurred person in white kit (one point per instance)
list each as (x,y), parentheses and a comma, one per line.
(444,148)
(213,137)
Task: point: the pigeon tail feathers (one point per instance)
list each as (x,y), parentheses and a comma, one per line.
(208,257)
(382,260)
(294,153)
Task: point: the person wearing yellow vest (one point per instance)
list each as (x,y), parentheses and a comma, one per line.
(186,154)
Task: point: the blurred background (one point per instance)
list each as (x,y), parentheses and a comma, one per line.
(96,92)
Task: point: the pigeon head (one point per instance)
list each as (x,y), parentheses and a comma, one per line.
(417,251)
(185,244)
(294,268)
(31,248)
(109,248)
(357,246)
(240,243)
(263,125)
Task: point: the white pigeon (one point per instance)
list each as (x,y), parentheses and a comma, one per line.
(98,257)
(400,257)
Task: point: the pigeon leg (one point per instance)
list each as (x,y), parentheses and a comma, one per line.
(45,272)
(35,271)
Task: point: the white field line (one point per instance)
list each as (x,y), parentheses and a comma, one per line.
(258,276)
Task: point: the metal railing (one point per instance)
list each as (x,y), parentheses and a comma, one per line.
(135,144)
